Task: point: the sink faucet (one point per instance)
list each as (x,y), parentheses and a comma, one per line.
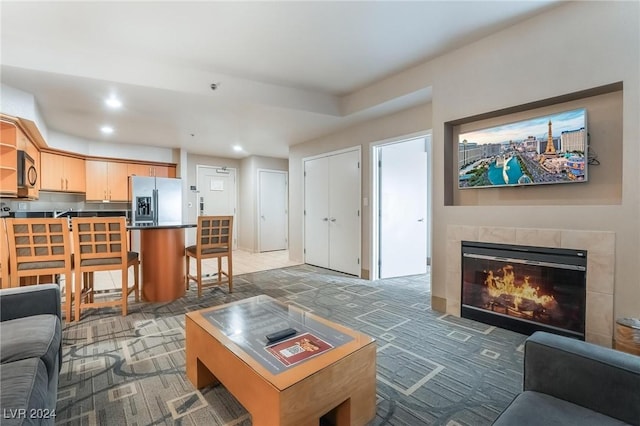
(58,214)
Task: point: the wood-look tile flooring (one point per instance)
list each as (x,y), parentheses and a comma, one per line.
(243,263)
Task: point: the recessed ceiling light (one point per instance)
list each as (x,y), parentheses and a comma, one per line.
(113,102)
(237,148)
(107,130)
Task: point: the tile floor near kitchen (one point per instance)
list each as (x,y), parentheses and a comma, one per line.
(243,263)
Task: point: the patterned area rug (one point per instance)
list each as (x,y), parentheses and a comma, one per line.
(433,369)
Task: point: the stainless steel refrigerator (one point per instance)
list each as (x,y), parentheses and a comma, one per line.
(156,199)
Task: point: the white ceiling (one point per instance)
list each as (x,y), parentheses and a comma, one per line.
(285,69)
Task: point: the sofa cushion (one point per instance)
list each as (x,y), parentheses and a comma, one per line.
(534,408)
(35,336)
(24,391)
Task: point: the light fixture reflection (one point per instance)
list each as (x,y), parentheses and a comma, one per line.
(113,102)
(107,130)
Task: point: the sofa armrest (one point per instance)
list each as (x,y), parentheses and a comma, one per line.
(20,302)
(594,377)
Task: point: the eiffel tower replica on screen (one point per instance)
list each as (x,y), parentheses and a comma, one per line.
(550,150)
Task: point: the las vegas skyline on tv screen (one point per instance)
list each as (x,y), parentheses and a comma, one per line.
(540,150)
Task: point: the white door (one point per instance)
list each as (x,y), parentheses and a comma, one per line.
(332,212)
(217,194)
(403,209)
(272,210)
(316,212)
(344,212)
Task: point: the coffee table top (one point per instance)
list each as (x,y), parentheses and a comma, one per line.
(242,326)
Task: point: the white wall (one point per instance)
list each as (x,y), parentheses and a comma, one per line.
(21,104)
(407,122)
(248,194)
(577,46)
(573,47)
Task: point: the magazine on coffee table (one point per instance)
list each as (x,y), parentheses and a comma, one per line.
(298,348)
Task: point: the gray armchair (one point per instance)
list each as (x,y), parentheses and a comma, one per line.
(30,354)
(570,382)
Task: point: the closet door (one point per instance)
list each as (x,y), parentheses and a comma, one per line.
(332,212)
(344,212)
(316,212)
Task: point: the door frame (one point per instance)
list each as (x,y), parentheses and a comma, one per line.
(257,218)
(374,176)
(357,148)
(235,190)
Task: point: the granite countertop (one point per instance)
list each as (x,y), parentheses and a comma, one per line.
(161,225)
(72,213)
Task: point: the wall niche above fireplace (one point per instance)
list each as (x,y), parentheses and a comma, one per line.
(523,288)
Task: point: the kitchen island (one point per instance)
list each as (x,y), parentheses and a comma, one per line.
(163,267)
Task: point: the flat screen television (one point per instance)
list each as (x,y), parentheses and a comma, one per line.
(541,150)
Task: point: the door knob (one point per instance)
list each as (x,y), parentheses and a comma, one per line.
(324,219)
(333,219)
(421,219)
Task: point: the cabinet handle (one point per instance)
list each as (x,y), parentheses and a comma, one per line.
(105,194)
(67,182)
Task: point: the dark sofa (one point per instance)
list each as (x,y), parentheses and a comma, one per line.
(31,354)
(570,382)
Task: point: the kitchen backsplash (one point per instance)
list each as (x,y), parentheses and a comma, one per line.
(53,201)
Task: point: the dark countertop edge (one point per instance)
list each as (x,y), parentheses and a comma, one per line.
(143,226)
(73,213)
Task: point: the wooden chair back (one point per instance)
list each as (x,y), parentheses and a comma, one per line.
(100,241)
(37,246)
(214,234)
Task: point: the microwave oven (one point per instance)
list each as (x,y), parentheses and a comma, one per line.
(27,174)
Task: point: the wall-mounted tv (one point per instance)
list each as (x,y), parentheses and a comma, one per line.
(542,150)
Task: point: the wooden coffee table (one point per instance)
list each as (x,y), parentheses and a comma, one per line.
(226,344)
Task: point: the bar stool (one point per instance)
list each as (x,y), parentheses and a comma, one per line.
(214,240)
(40,246)
(101,245)
(4,256)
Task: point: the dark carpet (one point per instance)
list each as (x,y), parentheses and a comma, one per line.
(433,369)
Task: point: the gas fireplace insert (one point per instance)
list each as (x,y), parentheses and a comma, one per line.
(525,289)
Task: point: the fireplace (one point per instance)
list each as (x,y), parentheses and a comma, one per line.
(524,288)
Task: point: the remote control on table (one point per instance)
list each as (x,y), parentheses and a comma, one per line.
(279,335)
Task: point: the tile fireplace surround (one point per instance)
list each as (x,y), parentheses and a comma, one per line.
(600,248)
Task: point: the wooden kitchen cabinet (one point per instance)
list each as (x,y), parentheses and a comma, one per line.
(12,141)
(137,169)
(62,173)
(106,181)
(8,160)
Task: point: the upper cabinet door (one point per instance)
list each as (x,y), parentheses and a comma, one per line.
(75,174)
(96,180)
(136,169)
(118,182)
(51,172)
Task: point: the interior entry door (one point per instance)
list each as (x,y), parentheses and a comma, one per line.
(316,212)
(344,212)
(403,209)
(272,210)
(332,212)
(217,194)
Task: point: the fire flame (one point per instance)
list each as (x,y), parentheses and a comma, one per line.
(506,284)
